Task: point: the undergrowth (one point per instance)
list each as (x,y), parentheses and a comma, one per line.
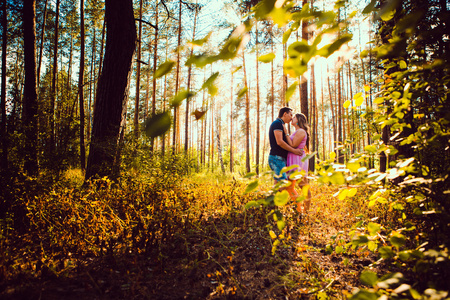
(137,237)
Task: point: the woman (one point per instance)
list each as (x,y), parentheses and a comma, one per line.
(300,139)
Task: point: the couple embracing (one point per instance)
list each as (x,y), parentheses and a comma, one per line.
(288,150)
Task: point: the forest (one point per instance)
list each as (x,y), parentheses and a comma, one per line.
(135,147)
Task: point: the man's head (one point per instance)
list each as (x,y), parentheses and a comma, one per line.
(285,114)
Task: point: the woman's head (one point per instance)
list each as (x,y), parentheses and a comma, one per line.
(300,120)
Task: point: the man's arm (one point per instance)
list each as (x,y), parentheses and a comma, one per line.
(280,142)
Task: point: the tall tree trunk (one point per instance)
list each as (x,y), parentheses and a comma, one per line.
(100,64)
(303,81)
(81,90)
(333,113)
(231,125)
(30,104)
(91,84)
(258,121)
(55,72)
(155,62)
(219,146)
(247,121)
(339,117)
(177,82)
(112,88)
(313,120)
(4,138)
(138,76)
(41,48)
(186,128)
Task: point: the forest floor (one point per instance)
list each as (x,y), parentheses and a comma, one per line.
(226,254)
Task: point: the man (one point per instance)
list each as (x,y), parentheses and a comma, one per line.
(279,147)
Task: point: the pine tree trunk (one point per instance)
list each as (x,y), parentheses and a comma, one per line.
(304,82)
(247,121)
(333,113)
(231,125)
(112,89)
(4,138)
(155,62)
(186,128)
(41,48)
(30,104)
(81,90)
(55,72)
(177,82)
(258,121)
(138,76)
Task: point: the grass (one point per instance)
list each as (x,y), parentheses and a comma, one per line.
(190,238)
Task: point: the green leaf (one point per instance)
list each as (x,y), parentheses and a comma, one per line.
(281,224)
(369,278)
(398,240)
(251,186)
(403,64)
(281,198)
(242,92)
(360,240)
(339,249)
(286,35)
(209,84)
(370,7)
(158,124)
(338,43)
(373,228)
(250,175)
(180,96)
(251,204)
(290,91)
(337,178)
(200,42)
(164,68)
(386,252)
(266,58)
(263,8)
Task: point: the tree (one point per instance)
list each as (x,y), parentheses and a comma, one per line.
(4,139)
(112,88)
(30,104)
(81,90)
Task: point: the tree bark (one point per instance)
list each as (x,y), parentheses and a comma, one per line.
(258,121)
(54,75)
(30,104)
(231,125)
(155,62)
(112,88)
(4,138)
(81,90)
(247,121)
(44,19)
(138,77)
(303,81)
(177,82)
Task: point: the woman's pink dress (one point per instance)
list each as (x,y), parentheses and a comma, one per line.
(293,159)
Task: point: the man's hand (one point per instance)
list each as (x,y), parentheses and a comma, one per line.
(298,152)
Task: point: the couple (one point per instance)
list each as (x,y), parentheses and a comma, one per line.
(288,150)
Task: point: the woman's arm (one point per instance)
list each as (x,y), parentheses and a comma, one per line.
(279,138)
(289,141)
(298,138)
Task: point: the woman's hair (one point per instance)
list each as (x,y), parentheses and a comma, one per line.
(303,123)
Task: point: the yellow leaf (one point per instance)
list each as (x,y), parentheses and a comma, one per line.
(272,234)
(347,104)
(359,101)
(332,155)
(342,194)
(352,192)
(366,88)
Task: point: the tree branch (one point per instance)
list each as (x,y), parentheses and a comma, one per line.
(148,23)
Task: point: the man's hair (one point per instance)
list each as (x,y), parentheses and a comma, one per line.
(284,110)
